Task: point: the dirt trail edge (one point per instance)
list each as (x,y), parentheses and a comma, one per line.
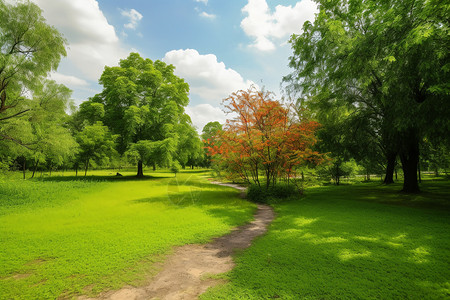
(185,274)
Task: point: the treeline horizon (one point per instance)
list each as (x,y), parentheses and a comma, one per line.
(370,78)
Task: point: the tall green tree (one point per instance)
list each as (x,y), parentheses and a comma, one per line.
(348,134)
(143,101)
(88,113)
(54,146)
(209,131)
(384,60)
(51,142)
(333,140)
(189,145)
(30,49)
(97,144)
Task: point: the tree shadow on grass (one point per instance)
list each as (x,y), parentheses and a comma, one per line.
(194,171)
(433,195)
(212,199)
(326,248)
(100,178)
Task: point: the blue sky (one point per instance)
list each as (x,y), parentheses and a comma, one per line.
(217,46)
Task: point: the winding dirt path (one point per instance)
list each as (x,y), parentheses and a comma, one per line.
(185,274)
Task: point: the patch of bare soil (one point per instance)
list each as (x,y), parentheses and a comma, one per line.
(184,274)
(21,276)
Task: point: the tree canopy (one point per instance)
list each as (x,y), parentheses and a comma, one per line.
(96,144)
(264,137)
(30,48)
(144,104)
(385,61)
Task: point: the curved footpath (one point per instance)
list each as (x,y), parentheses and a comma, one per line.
(185,274)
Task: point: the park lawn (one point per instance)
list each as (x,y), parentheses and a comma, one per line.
(66,236)
(363,241)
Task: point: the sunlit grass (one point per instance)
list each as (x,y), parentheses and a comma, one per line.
(365,241)
(63,236)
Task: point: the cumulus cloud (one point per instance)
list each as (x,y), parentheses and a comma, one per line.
(265,26)
(202,1)
(93,42)
(207,16)
(209,79)
(134,16)
(68,80)
(203,113)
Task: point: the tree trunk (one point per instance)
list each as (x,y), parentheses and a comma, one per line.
(338,172)
(140,172)
(409,156)
(418,170)
(35,168)
(86,165)
(389,178)
(24,166)
(154,168)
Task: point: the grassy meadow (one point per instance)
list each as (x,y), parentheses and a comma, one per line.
(62,236)
(362,241)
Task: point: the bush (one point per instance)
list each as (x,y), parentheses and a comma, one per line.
(256,193)
(273,194)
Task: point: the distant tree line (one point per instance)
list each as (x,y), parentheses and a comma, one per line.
(138,118)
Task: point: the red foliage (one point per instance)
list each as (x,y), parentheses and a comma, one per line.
(263,136)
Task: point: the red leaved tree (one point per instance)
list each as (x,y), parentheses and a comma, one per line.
(264,137)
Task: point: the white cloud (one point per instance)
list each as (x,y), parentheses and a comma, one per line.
(207,16)
(203,113)
(265,26)
(203,1)
(93,42)
(134,16)
(209,79)
(68,80)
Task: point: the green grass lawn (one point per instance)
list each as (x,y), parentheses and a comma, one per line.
(64,236)
(364,241)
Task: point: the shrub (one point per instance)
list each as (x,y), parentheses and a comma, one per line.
(256,193)
(272,194)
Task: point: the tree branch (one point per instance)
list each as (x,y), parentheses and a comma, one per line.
(15,115)
(5,137)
